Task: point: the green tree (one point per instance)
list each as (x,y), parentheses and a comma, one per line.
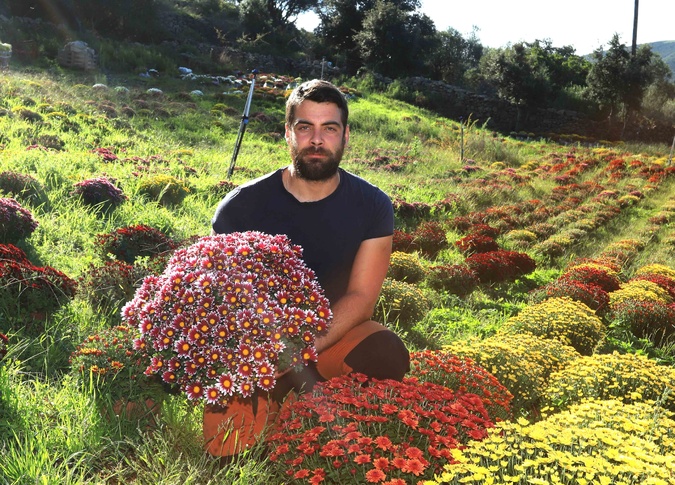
(618,80)
(341,20)
(394,42)
(454,56)
(270,24)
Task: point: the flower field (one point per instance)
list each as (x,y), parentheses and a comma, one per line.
(533,282)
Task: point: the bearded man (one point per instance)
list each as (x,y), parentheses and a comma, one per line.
(344,225)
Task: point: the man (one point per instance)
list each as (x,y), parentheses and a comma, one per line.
(344,225)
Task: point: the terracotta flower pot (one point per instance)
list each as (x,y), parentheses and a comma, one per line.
(232,429)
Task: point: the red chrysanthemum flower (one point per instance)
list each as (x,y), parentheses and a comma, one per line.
(375,476)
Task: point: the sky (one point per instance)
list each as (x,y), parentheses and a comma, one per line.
(583,24)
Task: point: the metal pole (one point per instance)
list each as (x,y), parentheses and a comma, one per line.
(670,159)
(635,26)
(461,138)
(323,62)
(242,125)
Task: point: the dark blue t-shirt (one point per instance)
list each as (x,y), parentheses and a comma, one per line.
(330,230)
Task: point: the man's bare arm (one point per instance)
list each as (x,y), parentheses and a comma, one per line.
(365,282)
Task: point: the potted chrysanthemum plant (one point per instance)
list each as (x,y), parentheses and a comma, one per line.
(228,314)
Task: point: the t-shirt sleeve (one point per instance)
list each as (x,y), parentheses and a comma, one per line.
(383,216)
(223,221)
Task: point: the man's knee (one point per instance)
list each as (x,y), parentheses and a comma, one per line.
(382,355)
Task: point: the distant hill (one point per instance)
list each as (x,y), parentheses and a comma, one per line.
(666,49)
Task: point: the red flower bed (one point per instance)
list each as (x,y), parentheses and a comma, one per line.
(476,243)
(651,320)
(592,295)
(463,375)
(128,243)
(500,266)
(350,430)
(26,289)
(429,239)
(589,275)
(457,279)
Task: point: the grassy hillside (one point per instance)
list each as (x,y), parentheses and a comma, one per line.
(118,173)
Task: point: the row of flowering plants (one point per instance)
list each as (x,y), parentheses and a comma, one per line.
(101,193)
(28,290)
(16,222)
(352,430)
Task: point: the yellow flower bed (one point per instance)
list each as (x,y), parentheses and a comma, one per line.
(599,442)
(521,363)
(629,378)
(658,269)
(640,290)
(568,321)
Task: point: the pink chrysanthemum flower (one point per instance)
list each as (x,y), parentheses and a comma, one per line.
(230,311)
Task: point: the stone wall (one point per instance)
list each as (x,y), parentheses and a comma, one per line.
(499,115)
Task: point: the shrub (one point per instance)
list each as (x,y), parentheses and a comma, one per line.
(410,210)
(100,192)
(108,361)
(16,223)
(9,252)
(500,266)
(405,267)
(222,188)
(651,320)
(22,187)
(593,274)
(462,375)
(457,279)
(663,281)
(521,236)
(522,363)
(656,269)
(401,302)
(629,378)
(568,321)
(576,446)
(590,295)
(429,239)
(165,189)
(640,290)
(476,243)
(348,432)
(128,243)
(402,242)
(108,287)
(26,289)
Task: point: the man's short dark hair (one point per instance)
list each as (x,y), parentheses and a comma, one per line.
(318,91)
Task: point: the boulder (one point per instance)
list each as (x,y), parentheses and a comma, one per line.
(77,55)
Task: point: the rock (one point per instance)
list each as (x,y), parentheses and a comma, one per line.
(77,55)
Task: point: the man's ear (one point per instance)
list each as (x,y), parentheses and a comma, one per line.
(346,135)
(287,132)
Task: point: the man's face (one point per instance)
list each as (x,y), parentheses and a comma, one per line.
(316,140)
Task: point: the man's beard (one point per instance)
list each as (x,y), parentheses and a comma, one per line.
(316,170)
